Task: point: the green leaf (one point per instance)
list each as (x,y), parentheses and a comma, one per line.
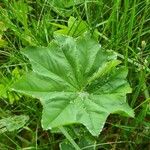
(2,27)
(77,82)
(6,83)
(12,123)
(3,43)
(76,27)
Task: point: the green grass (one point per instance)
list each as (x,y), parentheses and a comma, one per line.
(123,26)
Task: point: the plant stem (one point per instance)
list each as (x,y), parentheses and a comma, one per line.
(62,129)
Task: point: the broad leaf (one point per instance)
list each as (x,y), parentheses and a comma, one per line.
(77,82)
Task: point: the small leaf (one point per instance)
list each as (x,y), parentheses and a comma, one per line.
(3,43)
(75,28)
(6,83)
(2,27)
(12,123)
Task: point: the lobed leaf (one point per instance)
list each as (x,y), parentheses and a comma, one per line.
(77,82)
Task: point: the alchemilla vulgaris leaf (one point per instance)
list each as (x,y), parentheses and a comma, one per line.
(77,82)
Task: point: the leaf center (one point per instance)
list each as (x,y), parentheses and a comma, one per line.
(83,95)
